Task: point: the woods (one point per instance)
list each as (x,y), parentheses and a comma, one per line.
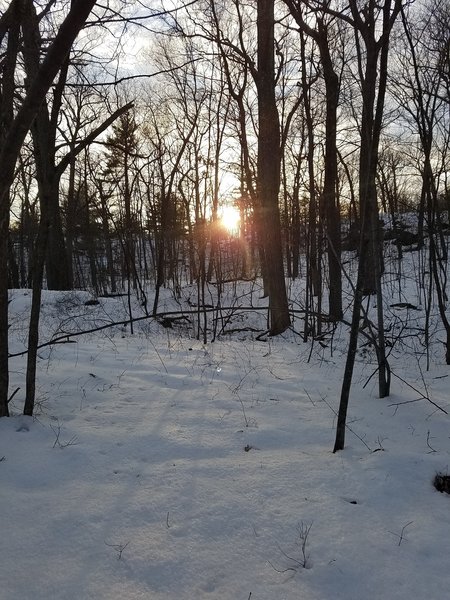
(321,124)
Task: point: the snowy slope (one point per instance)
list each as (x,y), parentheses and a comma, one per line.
(159,468)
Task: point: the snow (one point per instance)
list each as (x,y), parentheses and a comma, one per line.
(157,467)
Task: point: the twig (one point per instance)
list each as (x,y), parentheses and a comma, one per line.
(309,397)
(428,443)
(301,562)
(421,394)
(119,547)
(243,410)
(401,536)
(13,394)
(347,426)
(57,431)
(281,570)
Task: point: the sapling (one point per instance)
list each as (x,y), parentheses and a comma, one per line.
(302,559)
(73,441)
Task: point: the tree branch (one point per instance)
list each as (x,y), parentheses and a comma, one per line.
(65,161)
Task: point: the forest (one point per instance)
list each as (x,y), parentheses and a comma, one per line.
(301,122)
(129,140)
(224,329)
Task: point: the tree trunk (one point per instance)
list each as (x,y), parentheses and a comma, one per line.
(7,89)
(4,363)
(43,131)
(56,262)
(269,160)
(37,274)
(329,195)
(367,174)
(330,202)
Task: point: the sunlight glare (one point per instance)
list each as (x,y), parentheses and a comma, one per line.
(230,218)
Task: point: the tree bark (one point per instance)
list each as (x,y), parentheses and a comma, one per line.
(11,22)
(329,194)
(269,161)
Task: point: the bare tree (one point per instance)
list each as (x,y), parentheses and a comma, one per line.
(322,35)
(372,26)
(422,91)
(269,161)
(10,23)
(13,138)
(239,60)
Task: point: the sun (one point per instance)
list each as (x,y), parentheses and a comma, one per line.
(230,219)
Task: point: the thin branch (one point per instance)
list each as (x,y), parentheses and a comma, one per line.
(13,394)
(65,161)
(421,394)
(65,337)
(401,537)
(115,82)
(347,426)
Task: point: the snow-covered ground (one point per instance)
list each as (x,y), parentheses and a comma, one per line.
(158,467)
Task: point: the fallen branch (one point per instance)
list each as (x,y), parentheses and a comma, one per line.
(421,394)
(65,337)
